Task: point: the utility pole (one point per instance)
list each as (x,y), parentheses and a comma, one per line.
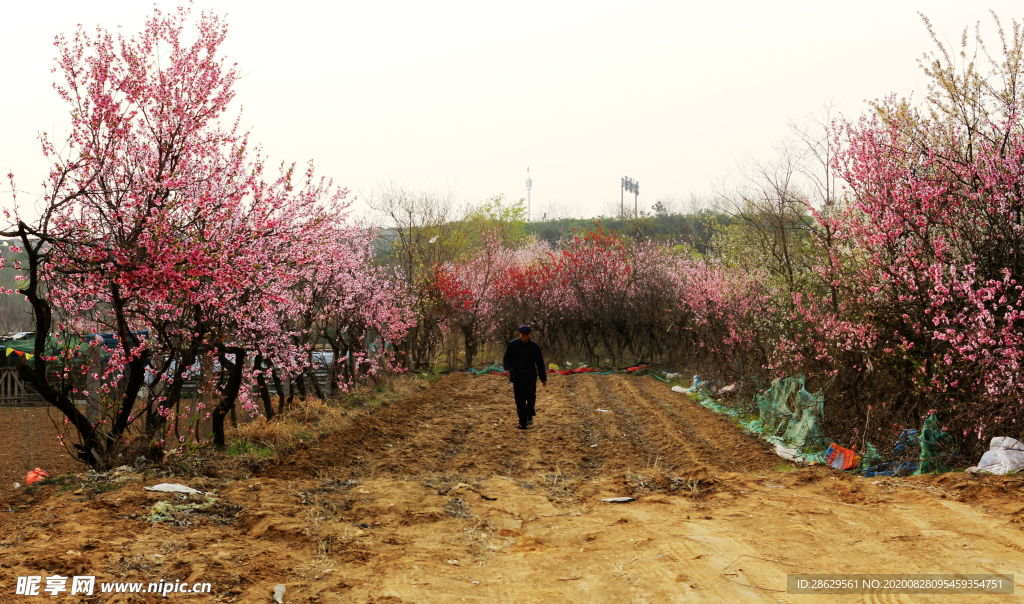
(628,184)
(529,187)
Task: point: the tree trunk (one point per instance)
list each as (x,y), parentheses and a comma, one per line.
(332,373)
(173,393)
(279,387)
(291,391)
(90,450)
(312,378)
(261,382)
(230,392)
(469,335)
(136,373)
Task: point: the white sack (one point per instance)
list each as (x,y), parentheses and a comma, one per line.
(1004,455)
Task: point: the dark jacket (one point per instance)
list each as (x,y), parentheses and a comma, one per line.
(524,362)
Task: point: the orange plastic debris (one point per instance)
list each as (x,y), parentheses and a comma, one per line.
(842,458)
(36,475)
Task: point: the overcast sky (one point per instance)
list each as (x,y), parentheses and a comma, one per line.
(468,95)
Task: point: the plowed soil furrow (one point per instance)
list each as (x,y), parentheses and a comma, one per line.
(587,433)
(688,432)
(356,448)
(471,430)
(616,432)
(667,434)
(718,441)
(439,498)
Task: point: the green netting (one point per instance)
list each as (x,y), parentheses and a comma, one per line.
(816,457)
(791,414)
(710,403)
(495,368)
(788,416)
(932,440)
(870,458)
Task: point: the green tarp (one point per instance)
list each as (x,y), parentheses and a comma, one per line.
(27,344)
(788,416)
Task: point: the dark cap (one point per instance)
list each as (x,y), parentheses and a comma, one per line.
(525,329)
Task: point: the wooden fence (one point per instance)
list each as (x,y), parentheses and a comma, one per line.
(15,393)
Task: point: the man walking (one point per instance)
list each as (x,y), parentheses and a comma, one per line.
(524,363)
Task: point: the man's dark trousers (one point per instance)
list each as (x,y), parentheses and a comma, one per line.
(526,400)
(524,363)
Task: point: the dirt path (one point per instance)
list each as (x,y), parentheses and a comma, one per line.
(438,498)
(28,439)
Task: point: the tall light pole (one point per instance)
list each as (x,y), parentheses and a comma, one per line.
(529,187)
(628,184)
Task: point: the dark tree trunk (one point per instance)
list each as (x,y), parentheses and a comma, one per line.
(186,358)
(332,373)
(136,367)
(291,391)
(346,368)
(310,372)
(281,407)
(155,416)
(261,382)
(469,336)
(91,449)
(229,393)
(172,398)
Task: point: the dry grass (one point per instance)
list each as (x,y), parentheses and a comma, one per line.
(443,483)
(692,487)
(457,508)
(620,570)
(306,421)
(562,490)
(480,537)
(913,484)
(385,389)
(321,564)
